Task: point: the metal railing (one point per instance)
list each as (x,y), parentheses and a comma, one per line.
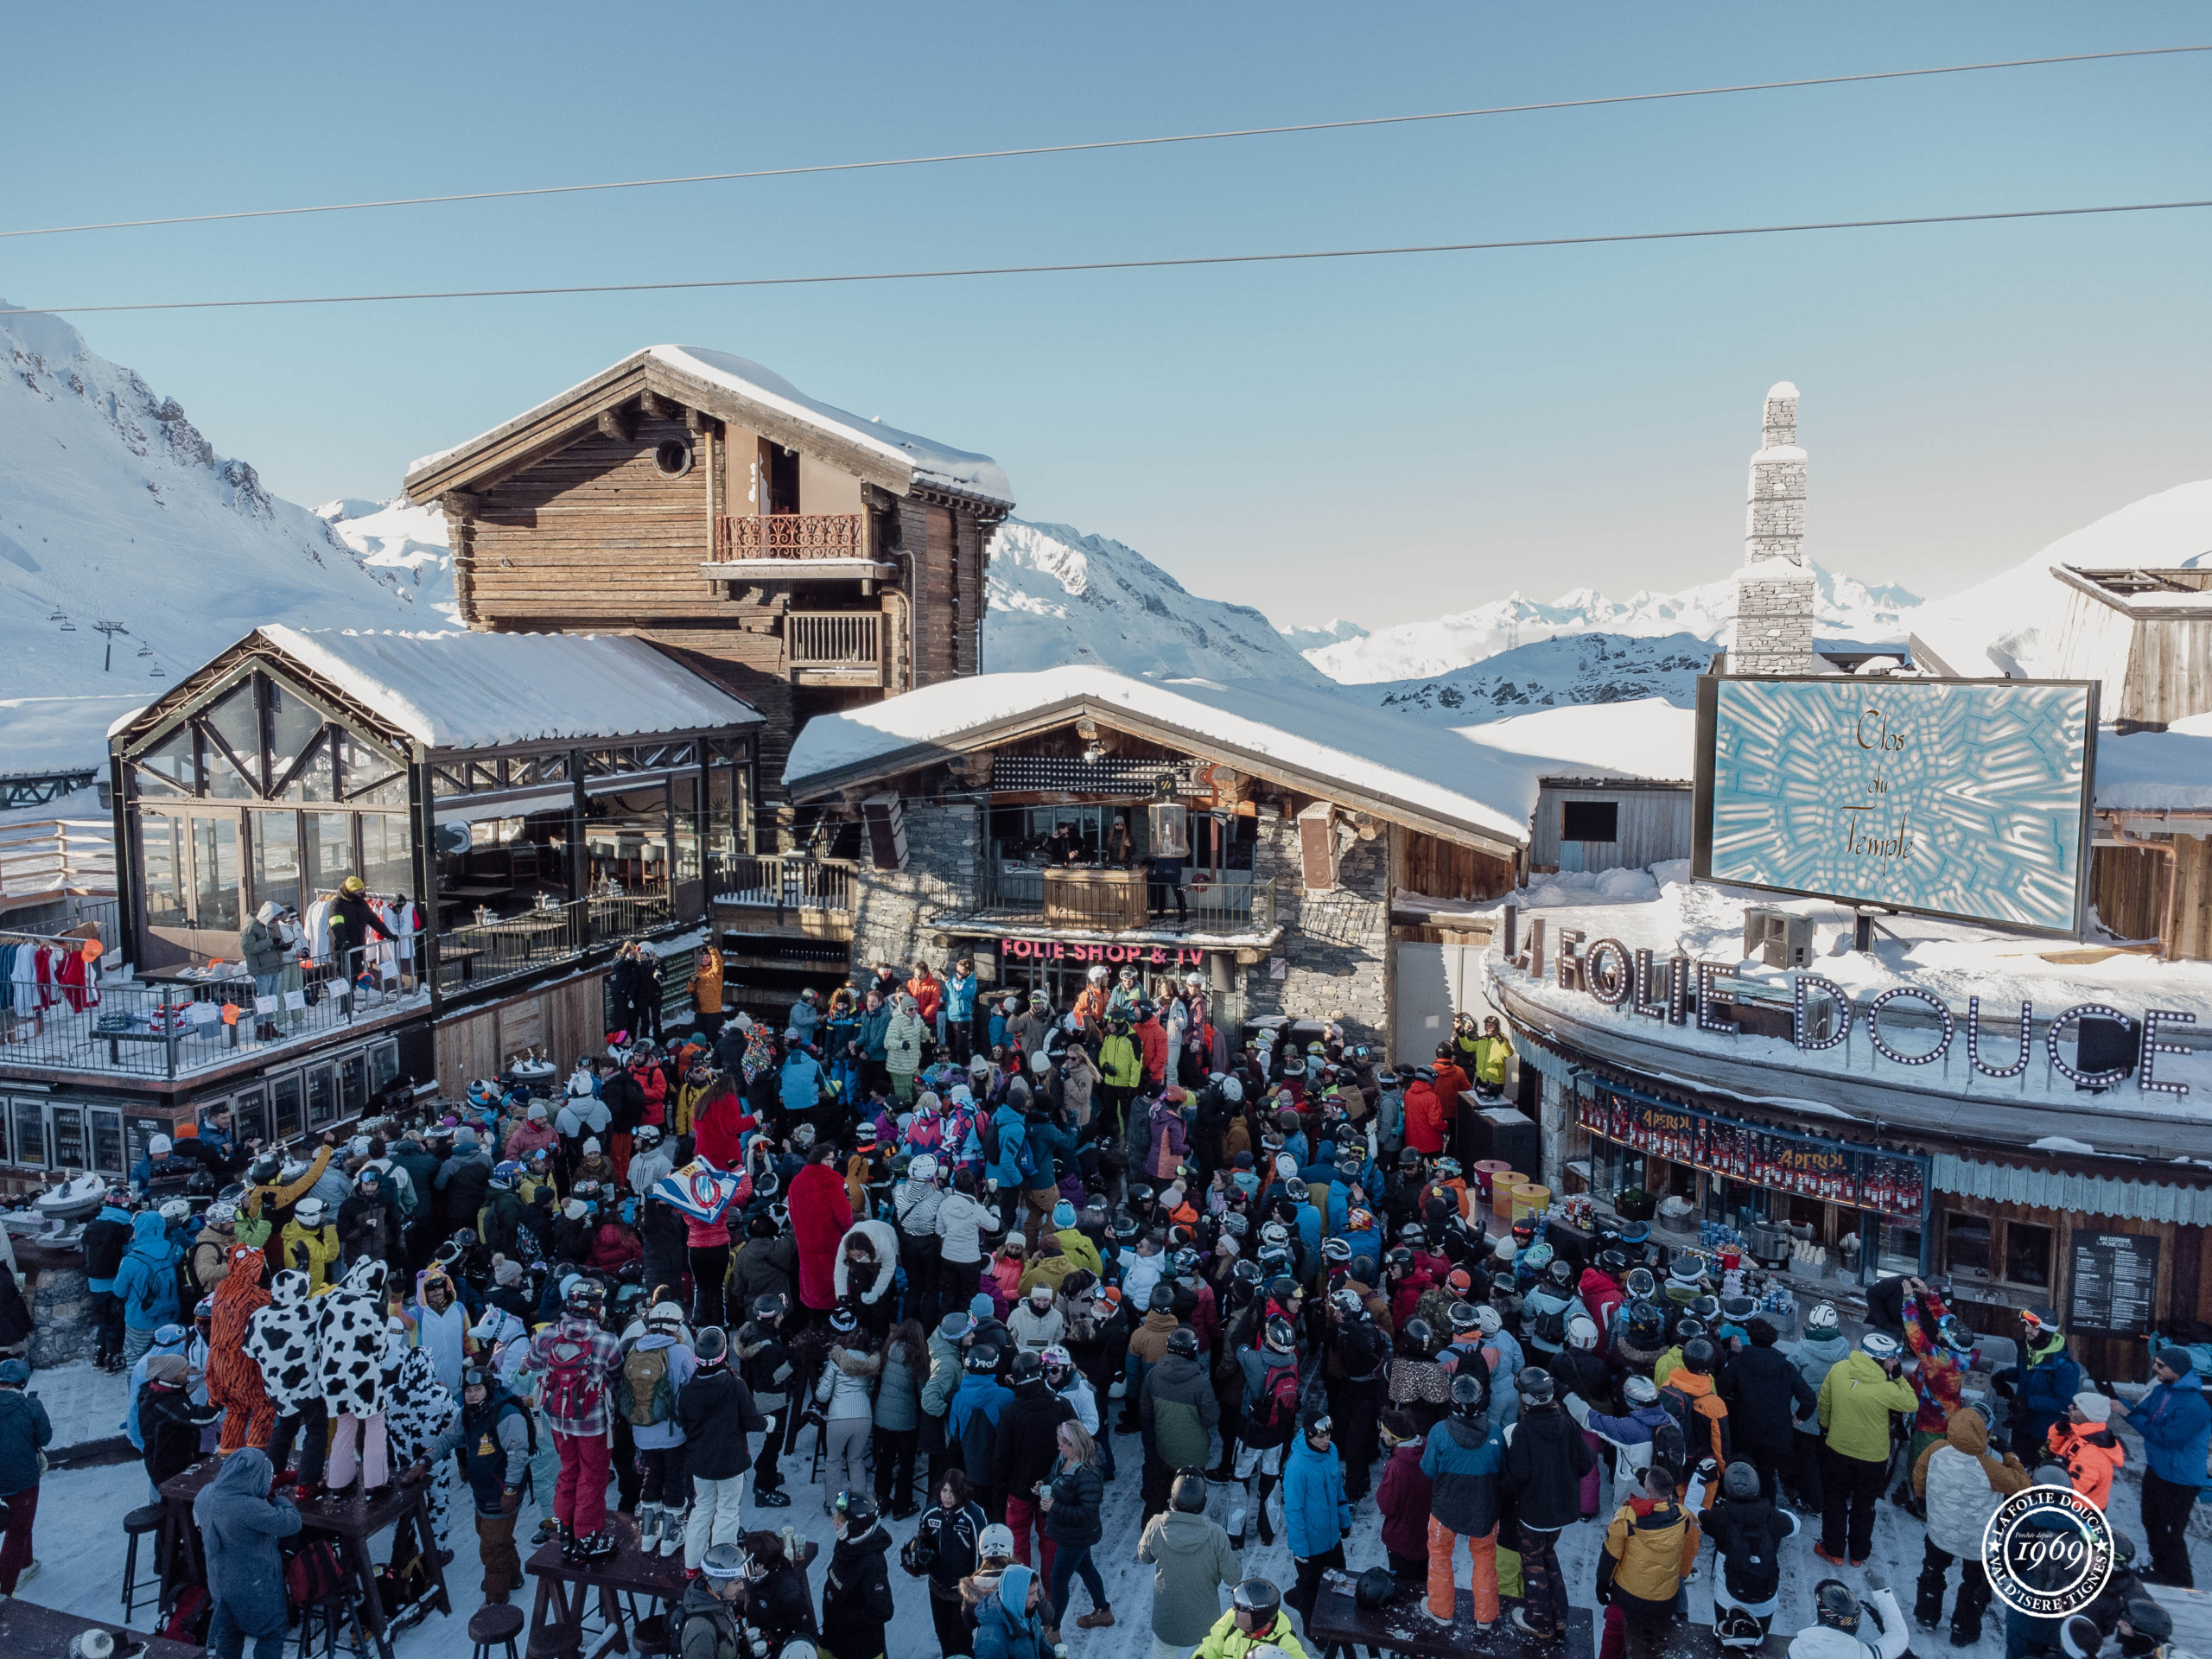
(502,947)
(833,639)
(1208,906)
(48,857)
(168,1025)
(784,881)
(790,536)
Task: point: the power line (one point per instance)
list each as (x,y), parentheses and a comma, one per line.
(1101,144)
(1112,265)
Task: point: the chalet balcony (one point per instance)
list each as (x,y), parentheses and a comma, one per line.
(834,647)
(795,547)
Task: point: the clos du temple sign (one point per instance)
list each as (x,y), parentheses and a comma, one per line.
(1954,798)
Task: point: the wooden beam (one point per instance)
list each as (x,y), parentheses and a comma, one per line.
(619,424)
(464,505)
(655,407)
(695,420)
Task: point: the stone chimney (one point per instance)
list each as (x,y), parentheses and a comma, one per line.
(1773,590)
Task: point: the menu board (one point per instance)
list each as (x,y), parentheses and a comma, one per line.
(2114,1282)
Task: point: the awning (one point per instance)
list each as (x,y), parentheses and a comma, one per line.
(475,809)
(2051,1189)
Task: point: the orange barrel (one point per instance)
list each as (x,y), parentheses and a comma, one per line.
(1500,1191)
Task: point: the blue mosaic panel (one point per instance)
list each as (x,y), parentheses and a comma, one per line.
(1963,799)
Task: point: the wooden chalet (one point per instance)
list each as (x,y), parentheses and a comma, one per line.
(804,557)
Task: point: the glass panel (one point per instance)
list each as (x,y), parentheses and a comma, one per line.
(1896,1247)
(384,864)
(369,772)
(5,1137)
(223,781)
(161,840)
(236,721)
(1965,1244)
(383,1066)
(313,782)
(292,726)
(249,1116)
(215,875)
(30,1134)
(2027,1253)
(322,1097)
(69,1138)
(284,1096)
(353,1085)
(277,858)
(170,761)
(329,850)
(107,1142)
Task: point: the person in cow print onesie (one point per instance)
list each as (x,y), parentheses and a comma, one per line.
(349,1362)
(421,1420)
(281,1342)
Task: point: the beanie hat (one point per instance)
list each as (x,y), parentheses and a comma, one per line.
(2094,1407)
(2179,1361)
(505,1273)
(980,1307)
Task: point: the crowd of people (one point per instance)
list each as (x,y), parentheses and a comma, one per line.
(964,1259)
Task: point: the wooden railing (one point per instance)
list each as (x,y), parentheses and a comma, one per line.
(47,857)
(790,536)
(782,881)
(833,639)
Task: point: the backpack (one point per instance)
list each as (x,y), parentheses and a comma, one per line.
(988,1134)
(642,1393)
(1024,1160)
(1278,1397)
(725,1634)
(571,1389)
(1751,1565)
(312,1574)
(1551,1326)
(1670,1440)
(189,1618)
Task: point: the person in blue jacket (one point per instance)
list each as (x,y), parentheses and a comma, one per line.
(1005,1168)
(107,1236)
(1013,1624)
(1316,1517)
(146,1283)
(2176,1424)
(2042,1385)
(801,1083)
(169,1339)
(960,1008)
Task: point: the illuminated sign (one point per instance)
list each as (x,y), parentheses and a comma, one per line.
(1954,798)
(1157,956)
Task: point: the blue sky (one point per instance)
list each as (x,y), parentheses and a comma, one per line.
(1381,439)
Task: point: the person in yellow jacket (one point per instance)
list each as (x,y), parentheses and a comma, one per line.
(1858,1398)
(1255,1618)
(706,989)
(1121,1063)
(1491,1050)
(310,1243)
(1651,1547)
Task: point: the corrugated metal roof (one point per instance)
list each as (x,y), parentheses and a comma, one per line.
(2051,1189)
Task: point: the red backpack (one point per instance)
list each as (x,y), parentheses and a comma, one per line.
(573,1382)
(1279,1397)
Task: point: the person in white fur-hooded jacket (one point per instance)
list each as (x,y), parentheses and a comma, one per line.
(867,1266)
(1846,1631)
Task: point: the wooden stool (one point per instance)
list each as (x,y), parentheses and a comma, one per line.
(147,1518)
(495,1625)
(557,1641)
(649,1635)
(333,1610)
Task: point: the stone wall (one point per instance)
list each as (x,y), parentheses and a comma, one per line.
(945,849)
(1775,592)
(1336,944)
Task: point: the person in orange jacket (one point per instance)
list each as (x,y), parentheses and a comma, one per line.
(928,991)
(2086,1444)
(1427,1122)
(1452,1080)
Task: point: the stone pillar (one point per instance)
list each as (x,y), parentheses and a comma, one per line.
(1775,592)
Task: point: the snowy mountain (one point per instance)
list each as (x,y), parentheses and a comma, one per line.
(1335,630)
(1571,669)
(1056,595)
(399,537)
(115,509)
(1848,609)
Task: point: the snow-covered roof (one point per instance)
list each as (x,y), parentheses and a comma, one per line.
(1649,738)
(927,459)
(479,690)
(2157,772)
(1456,776)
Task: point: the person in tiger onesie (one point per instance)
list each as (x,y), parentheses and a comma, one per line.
(233,1379)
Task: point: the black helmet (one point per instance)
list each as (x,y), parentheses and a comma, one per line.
(1469,1398)
(2147,1618)
(1739,1631)
(1644,1324)
(1835,1607)
(587,1297)
(1260,1598)
(1398,1258)
(1282,1287)
(1281,1336)
(1420,1336)
(1741,1482)
(1246,1274)
(858,1508)
(1183,1341)
(1126,1228)
(771,1306)
(982,1358)
(1374,1587)
(1560,1273)
(1464,1317)
(1706,1308)
(1188,1495)
(1612,1263)
(2123,1548)
(1026,1373)
(1698,1357)
(1162,1301)
(1535,1387)
(1687,1331)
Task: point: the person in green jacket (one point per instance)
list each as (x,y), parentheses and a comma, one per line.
(1255,1618)
(1860,1400)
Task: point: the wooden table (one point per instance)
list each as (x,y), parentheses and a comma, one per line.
(1402,1625)
(562,1584)
(349,1522)
(33,1631)
(1088,895)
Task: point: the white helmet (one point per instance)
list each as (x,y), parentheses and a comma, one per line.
(309,1212)
(222,1212)
(176,1209)
(157,1145)
(995,1541)
(924,1169)
(1192,980)
(1487,1320)
(1581,1332)
(1097,973)
(1232,1090)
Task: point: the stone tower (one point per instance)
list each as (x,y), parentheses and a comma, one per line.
(1773,590)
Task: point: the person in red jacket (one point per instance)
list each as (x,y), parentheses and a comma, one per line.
(928,992)
(1600,1290)
(1451,1082)
(1152,1043)
(719,1128)
(1403,1498)
(1425,1119)
(821,1216)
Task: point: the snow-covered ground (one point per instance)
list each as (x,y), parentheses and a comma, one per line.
(80,1545)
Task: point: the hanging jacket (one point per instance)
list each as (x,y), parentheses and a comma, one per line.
(145,1283)
(1650,1545)
(1190,1558)
(1546,1457)
(1766,1393)
(716,1413)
